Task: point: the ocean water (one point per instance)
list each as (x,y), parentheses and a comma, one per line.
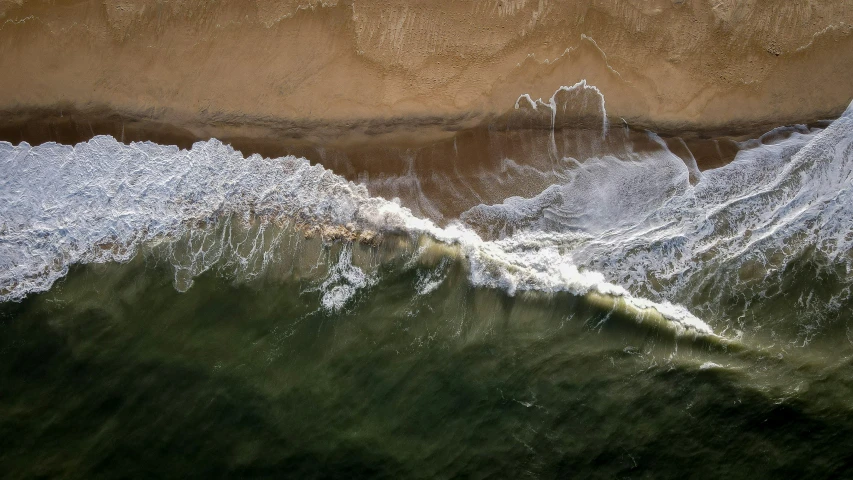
(583,307)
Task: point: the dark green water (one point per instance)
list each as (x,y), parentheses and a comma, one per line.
(115,374)
(173,313)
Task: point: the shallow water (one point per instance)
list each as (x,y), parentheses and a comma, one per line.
(197,313)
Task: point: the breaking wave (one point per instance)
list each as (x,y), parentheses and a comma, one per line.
(774,223)
(101,200)
(636,230)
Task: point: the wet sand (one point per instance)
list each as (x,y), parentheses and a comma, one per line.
(351,148)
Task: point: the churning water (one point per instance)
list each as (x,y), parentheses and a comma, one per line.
(596,307)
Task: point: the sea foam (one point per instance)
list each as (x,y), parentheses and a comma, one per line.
(99,201)
(636,231)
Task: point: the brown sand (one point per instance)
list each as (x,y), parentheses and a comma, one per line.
(312,71)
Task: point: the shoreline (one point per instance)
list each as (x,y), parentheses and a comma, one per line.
(360,137)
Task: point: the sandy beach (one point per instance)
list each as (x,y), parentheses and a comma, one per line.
(426,239)
(350,72)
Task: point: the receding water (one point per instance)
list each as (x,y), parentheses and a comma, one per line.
(196,313)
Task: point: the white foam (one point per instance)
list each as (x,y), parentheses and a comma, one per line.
(630,228)
(572,103)
(639,222)
(345,280)
(529,261)
(429,280)
(99,201)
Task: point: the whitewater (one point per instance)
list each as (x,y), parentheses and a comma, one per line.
(655,234)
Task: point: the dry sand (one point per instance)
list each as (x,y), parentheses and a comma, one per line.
(343,72)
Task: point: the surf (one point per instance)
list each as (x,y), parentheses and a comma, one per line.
(633,235)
